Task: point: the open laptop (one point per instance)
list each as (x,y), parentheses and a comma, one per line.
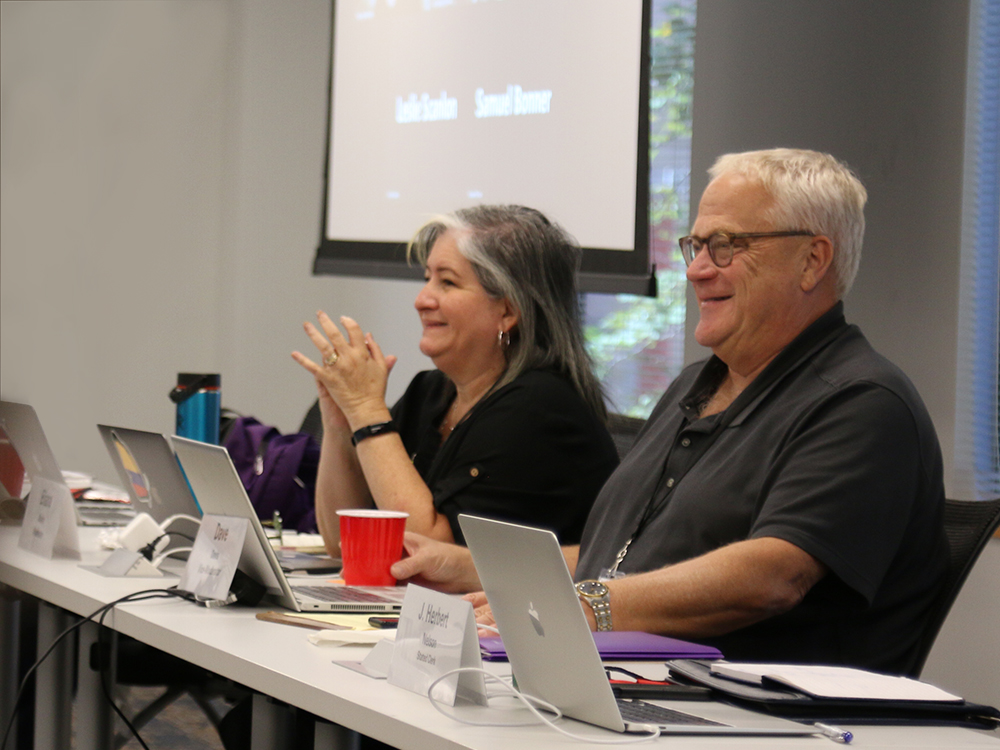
(148,469)
(21,424)
(219,491)
(552,651)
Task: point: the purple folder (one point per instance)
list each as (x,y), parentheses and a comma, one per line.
(617,645)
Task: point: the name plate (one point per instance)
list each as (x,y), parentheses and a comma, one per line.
(49,524)
(437,634)
(212,563)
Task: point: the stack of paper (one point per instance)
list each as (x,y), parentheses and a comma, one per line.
(835,682)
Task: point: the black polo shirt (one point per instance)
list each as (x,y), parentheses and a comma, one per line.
(829,448)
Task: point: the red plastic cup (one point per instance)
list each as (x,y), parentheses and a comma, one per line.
(370,542)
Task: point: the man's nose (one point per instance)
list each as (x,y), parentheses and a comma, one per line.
(702,266)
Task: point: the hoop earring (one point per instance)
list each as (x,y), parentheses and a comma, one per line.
(503,339)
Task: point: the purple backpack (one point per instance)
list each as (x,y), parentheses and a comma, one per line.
(278,471)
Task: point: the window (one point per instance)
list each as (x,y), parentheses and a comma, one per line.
(637,343)
(977,448)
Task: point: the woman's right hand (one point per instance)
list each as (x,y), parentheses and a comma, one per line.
(334,421)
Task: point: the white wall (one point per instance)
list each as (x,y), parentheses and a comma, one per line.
(161,187)
(161,177)
(966,654)
(112,181)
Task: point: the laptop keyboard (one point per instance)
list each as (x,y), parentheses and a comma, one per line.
(340,594)
(641,712)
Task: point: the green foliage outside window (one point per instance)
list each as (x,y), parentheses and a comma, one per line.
(637,343)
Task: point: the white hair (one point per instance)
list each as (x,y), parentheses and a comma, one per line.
(813,192)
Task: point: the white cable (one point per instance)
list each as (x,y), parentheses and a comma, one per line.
(164,555)
(166,524)
(529,702)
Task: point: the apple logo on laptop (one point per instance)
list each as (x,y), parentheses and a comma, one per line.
(535,622)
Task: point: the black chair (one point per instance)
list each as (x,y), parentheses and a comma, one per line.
(312,423)
(623,430)
(968,525)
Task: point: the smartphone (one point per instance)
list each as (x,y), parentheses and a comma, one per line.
(383,622)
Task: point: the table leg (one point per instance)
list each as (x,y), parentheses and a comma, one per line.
(273,724)
(10,642)
(54,681)
(334,737)
(94,727)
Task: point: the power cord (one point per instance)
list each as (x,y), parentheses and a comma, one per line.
(164,555)
(101,612)
(531,703)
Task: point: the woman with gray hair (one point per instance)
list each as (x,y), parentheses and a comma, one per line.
(510,424)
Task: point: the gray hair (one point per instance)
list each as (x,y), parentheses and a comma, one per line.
(812,191)
(520,256)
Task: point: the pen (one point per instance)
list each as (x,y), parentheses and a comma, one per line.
(835,734)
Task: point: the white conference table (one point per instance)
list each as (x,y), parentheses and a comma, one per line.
(279,662)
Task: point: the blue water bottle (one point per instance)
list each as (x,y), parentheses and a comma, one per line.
(199,402)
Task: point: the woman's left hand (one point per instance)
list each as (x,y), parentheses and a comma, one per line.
(353,370)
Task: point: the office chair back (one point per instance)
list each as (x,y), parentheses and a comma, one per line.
(968,525)
(623,430)
(312,423)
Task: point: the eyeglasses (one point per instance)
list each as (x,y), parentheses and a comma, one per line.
(720,245)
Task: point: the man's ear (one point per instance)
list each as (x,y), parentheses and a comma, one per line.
(817,262)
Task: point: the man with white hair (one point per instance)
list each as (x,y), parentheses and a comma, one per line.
(784,500)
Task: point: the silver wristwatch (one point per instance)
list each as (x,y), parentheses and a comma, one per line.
(595,594)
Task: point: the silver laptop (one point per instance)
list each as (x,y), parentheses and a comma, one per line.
(148,469)
(22,425)
(219,491)
(552,651)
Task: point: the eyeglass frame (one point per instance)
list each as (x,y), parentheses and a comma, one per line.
(730,236)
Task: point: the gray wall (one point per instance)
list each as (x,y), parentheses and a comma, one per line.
(161,187)
(880,85)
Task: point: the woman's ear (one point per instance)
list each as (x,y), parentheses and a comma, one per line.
(510,316)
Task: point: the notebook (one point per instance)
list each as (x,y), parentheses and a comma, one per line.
(624,646)
(148,469)
(219,491)
(552,651)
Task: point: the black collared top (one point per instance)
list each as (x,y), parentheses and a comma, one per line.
(829,448)
(530,452)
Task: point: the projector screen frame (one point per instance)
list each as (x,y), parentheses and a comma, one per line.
(601,271)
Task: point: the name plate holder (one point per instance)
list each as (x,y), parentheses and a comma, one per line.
(437,634)
(216,554)
(49,525)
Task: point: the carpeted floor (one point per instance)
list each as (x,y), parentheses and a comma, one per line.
(180,726)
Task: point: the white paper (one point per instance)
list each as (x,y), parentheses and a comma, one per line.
(212,563)
(836,682)
(350,637)
(49,525)
(436,634)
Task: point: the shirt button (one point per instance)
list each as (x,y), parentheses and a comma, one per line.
(474,471)
(670,482)
(686,442)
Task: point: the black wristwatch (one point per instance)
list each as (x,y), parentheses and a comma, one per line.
(595,594)
(372,430)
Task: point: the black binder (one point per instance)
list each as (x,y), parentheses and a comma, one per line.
(791,704)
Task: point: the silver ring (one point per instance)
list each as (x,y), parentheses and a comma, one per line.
(332,359)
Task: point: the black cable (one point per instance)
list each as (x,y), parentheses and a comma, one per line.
(150,549)
(137,596)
